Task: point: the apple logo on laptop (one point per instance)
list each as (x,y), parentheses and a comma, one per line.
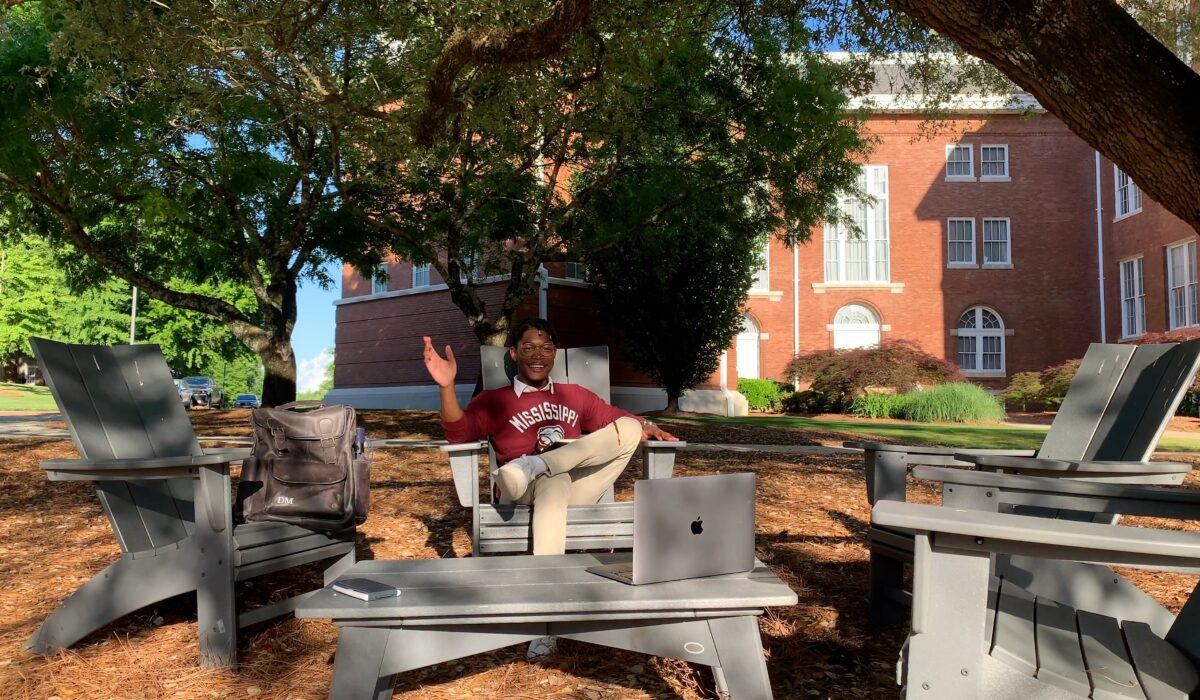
(697,526)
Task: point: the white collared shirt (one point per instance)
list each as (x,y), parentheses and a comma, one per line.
(521,387)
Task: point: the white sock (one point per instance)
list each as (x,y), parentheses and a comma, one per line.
(538,464)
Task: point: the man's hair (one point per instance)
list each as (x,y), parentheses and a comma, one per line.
(540,324)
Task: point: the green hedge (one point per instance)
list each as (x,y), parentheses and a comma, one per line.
(761,394)
(960,402)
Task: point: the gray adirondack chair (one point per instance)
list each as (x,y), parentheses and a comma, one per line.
(1116,408)
(168,501)
(496,528)
(977,635)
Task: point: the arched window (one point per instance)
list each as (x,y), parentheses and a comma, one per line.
(855,326)
(981,341)
(747,349)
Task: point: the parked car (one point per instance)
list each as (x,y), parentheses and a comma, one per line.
(185,393)
(246,401)
(205,392)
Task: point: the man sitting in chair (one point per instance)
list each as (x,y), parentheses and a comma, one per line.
(525,420)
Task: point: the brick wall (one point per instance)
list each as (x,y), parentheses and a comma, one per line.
(1048,298)
(1147,233)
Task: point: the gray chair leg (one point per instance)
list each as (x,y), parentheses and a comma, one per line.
(358,672)
(340,566)
(887,581)
(125,586)
(216,609)
(739,648)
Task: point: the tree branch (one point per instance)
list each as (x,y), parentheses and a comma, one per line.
(490,48)
(1126,95)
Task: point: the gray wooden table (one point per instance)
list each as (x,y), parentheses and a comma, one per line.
(452,608)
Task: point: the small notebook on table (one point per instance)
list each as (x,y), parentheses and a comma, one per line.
(364,589)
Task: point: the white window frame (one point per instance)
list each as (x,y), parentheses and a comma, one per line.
(876,236)
(950,242)
(983,176)
(1127,196)
(420,275)
(379,284)
(575,271)
(983,236)
(978,337)
(951,148)
(1133,297)
(1181,285)
(762,276)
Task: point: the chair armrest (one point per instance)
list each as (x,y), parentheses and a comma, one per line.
(143,468)
(1098,470)
(1070,494)
(464,467)
(658,458)
(234,454)
(1005,533)
(886,466)
(930,451)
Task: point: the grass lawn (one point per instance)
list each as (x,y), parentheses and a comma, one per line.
(19,397)
(998,437)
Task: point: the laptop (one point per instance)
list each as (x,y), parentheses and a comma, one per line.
(689,527)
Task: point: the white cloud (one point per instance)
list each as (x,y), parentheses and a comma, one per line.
(310,372)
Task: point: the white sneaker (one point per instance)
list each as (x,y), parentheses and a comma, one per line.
(541,648)
(513,479)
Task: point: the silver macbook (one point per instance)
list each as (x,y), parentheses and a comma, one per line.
(689,527)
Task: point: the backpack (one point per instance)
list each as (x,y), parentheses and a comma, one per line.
(307,468)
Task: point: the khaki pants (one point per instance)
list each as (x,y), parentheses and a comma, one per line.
(580,473)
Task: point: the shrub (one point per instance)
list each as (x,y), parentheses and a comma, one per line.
(1056,380)
(1024,390)
(960,402)
(807,401)
(843,375)
(880,405)
(761,394)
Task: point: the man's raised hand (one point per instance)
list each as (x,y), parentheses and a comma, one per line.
(442,370)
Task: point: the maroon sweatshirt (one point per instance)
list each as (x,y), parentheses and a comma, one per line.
(530,423)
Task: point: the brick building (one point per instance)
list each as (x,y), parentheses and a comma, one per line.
(998,240)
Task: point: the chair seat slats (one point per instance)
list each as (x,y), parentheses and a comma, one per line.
(1107,659)
(573,544)
(1013,638)
(1060,660)
(1165,673)
(272,550)
(574,530)
(257,534)
(522,515)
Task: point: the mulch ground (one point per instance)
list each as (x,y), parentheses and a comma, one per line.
(812,523)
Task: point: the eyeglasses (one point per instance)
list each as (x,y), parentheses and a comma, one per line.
(529,349)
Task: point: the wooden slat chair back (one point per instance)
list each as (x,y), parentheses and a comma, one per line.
(169,503)
(498,529)
(1116,409)
(121,403)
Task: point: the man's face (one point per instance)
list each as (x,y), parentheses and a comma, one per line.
(534,355)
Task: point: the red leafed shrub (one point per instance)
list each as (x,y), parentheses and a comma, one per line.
(843,375)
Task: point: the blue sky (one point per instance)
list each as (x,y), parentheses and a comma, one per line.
(313,335)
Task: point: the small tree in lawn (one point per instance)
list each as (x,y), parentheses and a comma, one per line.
(676,296)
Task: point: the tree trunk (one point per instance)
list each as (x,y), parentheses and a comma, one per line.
(1090,64)
(279,363)
(672,403)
